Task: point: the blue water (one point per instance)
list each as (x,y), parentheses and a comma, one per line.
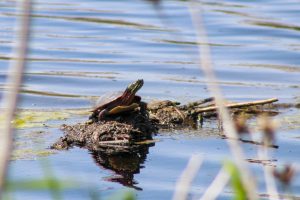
(80,50)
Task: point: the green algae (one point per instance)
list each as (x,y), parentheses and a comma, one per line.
(39,118)
(30,154)
(34,129)
(31,144)
(290,122)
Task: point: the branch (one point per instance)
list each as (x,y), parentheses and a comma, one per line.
(229,129)
(113,142)
(237,105)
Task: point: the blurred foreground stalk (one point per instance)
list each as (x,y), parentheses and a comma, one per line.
(14,81)
(211,80)
(186,178)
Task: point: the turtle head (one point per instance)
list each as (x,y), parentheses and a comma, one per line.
(135,86)
(129,94)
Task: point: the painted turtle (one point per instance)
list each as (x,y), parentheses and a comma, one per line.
(118,102)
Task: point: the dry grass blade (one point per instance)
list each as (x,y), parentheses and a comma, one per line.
(268,128)
(217,186)
(186,178)
(269,179)
(229,130)
(14,81)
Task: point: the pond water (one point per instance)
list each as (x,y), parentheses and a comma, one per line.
(81,49)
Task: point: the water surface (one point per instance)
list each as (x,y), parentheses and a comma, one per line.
(80,50)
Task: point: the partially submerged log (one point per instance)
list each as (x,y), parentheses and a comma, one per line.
(122,132)
(237,105)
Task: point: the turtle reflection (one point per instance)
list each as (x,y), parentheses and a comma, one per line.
(125,164)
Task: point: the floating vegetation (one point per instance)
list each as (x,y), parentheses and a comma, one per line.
(290,121)
(29,134)
(30,154)
(39,118)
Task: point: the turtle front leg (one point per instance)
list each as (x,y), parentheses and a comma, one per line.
(102,114)
(93,117)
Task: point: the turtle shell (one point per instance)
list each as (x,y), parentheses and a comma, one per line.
(107,98)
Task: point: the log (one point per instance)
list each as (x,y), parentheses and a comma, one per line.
(196,103)
(237,105)
(113,142)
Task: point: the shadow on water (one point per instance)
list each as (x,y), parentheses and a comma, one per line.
(124,164)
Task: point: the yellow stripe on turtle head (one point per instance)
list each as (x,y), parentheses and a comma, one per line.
(120,109)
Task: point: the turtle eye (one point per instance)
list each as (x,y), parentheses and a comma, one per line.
(141,82)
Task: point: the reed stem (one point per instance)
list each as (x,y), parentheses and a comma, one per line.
(14,81)
(212,84)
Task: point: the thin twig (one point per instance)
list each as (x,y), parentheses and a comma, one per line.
(14,81)
(217,186)
(229,130)
(237,105)
(114,142)
(186,178)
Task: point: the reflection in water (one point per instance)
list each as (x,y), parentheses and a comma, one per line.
(124,163)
